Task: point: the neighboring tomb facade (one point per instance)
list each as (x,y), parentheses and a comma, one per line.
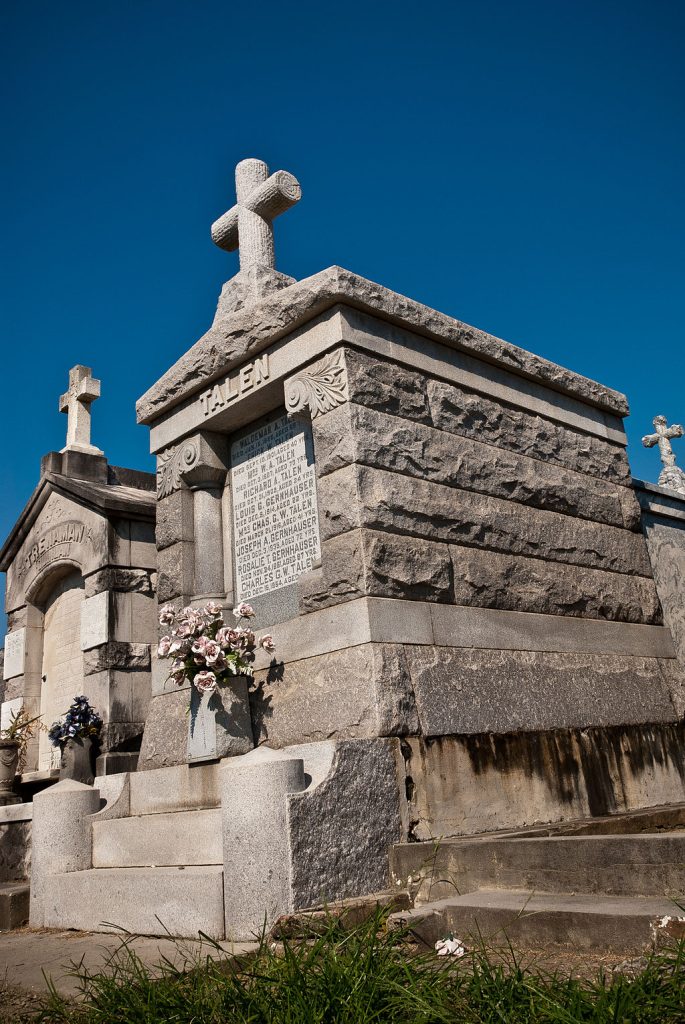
(80,594)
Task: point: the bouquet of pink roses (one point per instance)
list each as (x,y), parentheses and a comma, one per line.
(205,650)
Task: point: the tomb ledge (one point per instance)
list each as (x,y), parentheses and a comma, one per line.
(243,334)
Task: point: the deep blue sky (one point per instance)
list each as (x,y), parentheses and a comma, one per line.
(517,165)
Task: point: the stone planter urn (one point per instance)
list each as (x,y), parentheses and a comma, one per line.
(219,723)
(9,758)
(76,761)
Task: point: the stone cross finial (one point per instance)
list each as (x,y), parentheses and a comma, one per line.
(671,475)
(248,225)
(83,389)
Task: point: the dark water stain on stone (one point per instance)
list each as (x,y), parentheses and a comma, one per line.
(595,763)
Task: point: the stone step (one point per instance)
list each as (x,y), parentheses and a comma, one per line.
(621,865)
(495,917)
(14,905)
(346,914)
(147,901)
(159,840)
(181,787)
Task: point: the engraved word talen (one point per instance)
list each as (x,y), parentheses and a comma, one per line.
(238,383)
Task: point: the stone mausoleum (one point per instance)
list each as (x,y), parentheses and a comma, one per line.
(478,614)
(80,594)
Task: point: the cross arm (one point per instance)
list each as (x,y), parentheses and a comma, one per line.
(88,389)
(274,196)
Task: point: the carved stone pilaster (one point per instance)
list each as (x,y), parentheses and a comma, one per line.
(319,388)
(200,464)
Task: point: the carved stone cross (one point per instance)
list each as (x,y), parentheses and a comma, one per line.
(671,475)
(249,224)
(83,389)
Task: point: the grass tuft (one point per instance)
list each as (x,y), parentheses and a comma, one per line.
(369,975)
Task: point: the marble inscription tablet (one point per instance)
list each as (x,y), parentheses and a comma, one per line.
(275,517)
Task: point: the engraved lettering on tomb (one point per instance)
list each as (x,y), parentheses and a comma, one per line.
(242,381)
(275,515)
(57,542)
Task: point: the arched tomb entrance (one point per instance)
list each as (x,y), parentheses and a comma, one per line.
(62,661)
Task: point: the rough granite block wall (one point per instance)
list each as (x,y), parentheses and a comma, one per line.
(429,491)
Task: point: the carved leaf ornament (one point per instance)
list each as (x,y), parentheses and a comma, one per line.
(321,387)
(171,463)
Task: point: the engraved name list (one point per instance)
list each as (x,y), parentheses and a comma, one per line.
(275,517)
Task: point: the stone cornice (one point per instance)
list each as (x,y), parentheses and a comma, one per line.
(240,336)
(660,501)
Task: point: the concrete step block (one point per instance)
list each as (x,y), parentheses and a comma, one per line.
(147,901)
(181,787)
(620,865)
(14,905)
(495,917)
(158,840)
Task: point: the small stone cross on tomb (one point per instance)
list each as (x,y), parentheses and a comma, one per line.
(83,389)
(248,226)
(671,475)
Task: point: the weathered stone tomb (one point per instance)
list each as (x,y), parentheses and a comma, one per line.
(442,534)
(80,564)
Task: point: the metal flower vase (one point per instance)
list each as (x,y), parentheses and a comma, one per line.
(219,723)
(77,760)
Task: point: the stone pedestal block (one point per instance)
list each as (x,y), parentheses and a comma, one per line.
(61,838)
(256,839)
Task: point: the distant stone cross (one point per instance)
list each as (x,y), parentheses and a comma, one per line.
(671,475)
(249,224)
(83,389)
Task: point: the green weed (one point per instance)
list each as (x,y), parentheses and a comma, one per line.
(364,976)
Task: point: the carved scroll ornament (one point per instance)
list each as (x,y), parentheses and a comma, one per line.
(319,388)
(171,463)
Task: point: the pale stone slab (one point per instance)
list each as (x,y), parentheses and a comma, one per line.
(513,781)
(666,545)
(95,620)
(392,621)
(175,788)
(15,653)
(145,901)
(493,629)
(8,708)
(158,840)
(16,812)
